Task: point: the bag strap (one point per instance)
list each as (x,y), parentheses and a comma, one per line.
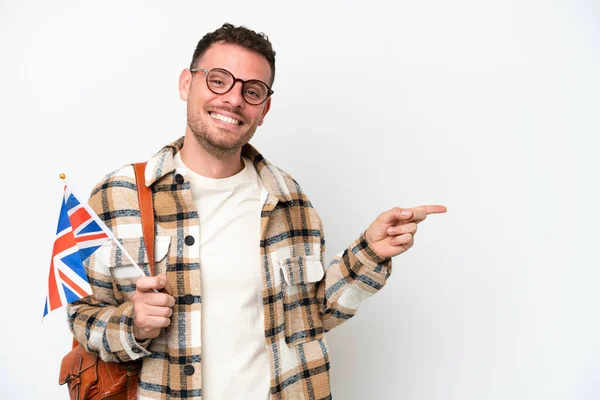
(146,212)
(146,215)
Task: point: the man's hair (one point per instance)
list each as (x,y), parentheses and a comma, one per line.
(240,35)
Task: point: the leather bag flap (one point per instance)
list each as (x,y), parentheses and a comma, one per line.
(78,360)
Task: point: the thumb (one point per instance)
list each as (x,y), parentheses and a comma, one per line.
(163,283)
(395,214)
(378,229)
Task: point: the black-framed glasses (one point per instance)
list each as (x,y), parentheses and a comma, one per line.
(220,81)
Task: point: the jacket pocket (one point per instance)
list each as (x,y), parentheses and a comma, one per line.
(301,309)
(124,272)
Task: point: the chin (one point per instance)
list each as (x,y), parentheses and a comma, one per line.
(221,145)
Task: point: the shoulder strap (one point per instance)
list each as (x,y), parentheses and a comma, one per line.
(146,211)
(146,215)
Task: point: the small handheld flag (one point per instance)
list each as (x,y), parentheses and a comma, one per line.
(79,233)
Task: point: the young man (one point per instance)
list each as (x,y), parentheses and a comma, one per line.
(238,250)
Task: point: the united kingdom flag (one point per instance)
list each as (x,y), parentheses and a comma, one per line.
(80,232)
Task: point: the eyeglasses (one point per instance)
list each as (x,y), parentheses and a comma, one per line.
(221,81)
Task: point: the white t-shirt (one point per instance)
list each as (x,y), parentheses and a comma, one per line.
(235,364)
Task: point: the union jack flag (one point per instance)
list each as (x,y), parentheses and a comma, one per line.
(80,232)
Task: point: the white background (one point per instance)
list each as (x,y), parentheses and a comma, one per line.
(488,107)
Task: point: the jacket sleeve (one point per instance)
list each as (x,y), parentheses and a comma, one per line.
(351,277)
(103,322)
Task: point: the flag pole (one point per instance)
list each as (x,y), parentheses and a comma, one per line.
(142,273)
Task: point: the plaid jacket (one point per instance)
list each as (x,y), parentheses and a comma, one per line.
(302,299)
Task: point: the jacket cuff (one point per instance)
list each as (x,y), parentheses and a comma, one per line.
(132,348)
(368,255)
(369,260)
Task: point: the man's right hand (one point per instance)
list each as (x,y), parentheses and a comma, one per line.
(151,310)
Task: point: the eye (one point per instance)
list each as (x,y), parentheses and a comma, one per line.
(255,91)
(219,79)
(252,93)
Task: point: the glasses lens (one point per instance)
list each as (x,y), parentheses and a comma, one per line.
(219,80)
(255,92)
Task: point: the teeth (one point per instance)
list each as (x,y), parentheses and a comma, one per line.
(225,119)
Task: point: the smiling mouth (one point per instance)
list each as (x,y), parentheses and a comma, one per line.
(225,119)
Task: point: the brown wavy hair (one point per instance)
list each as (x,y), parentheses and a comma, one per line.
(240,35)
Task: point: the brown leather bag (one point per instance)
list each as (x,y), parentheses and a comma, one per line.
(86,375)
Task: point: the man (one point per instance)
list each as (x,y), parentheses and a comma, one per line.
(238,251)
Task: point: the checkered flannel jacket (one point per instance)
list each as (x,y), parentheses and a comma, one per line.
(302,299)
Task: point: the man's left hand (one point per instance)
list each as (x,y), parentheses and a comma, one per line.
(393,232)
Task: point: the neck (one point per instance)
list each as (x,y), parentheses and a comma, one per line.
(206,163)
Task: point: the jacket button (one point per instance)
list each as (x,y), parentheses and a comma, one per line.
(188,369)
(189,240)
(188,299)
(179,179)
(136,350)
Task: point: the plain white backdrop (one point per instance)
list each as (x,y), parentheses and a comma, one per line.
(488,107)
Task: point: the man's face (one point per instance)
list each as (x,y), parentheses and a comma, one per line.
(222,124)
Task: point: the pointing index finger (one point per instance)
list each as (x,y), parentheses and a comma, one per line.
(421,212)
(434,209)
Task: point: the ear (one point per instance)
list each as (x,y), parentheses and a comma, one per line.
(265,111)
(185,81)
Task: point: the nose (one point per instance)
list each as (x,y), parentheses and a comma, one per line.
(234,97)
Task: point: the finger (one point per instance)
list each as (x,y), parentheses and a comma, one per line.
(149,322)
(149,283)
(153,299)
(143,310)
(402,229)
(166,288)
(395,214)
(401,239)
(157,311)
(434,209)
(419,214)
(410,244)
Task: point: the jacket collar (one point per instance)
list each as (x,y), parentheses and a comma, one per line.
(163,163)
